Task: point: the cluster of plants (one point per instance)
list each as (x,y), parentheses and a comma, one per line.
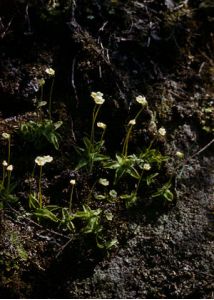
(128,179)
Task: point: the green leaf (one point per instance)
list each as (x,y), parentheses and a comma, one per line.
(33,201)
(164,192)
(99,197)
(45,213)
(110,244)
(130,199)
(58,124)
(151,178)
(133,172)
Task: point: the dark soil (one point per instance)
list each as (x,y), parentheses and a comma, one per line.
(160,49)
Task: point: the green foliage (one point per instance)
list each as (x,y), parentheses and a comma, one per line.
(90,154)
(124,165)
(164,192)
(94,216)
(7,194)
(39,132)
(130,200)
(66,219)
(91,219)
(134,164)
(46,213)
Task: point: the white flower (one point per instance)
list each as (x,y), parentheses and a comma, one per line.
(96,94)
(113,193)
(146,167)
(179,154)
(142,100)
(10,168)
(4,163)
(98,97)
(101,125)
(104,181)
(50,71)
(48,158)
(6,136)
(162,131)
(109,216)
(42,160)
(41,82)
(72,181)
(132,122)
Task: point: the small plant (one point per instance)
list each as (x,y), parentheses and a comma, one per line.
(47,213)
(7,137)
(51,73)
(91,151)
(99,100)
(66,219)
(92,225)
(72,182)
(90,154)
(39,132)
(6,188)
(41,161)
(143,102)
(164,192)
(124,165)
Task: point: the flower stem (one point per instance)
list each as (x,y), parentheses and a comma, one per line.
(94,117)
(9,144)
(8,182)
(50,99)
(3,176)
(139,181)
(71,198)
(126,142)
(40,187)
(102,136)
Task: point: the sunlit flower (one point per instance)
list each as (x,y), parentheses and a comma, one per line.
(48,158)
(113,193)
(42,160)
(146,167)
(41,82)
(142,100)
(101,125)
(153,126)
(104,181)
(50,71)
(6,136)
(179,154)
(98,97)
(162,131)
(72,181)
(4,163)
(109,216)
(10,168)
(132,122)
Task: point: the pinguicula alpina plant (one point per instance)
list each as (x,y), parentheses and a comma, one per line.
(51,73)
(162,131)
(91,152)
(7,137)
(143,102)
(103,127)
(72,183)
(98,100)
(4,167)
(41,161)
